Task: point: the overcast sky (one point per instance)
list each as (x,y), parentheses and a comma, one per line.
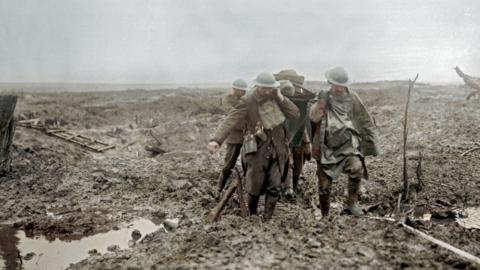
(150,41)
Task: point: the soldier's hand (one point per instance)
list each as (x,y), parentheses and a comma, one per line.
(277,94)
(213,147)
(317,111)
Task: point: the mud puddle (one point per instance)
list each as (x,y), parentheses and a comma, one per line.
(40,253)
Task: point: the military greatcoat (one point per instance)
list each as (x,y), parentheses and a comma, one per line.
(265,166)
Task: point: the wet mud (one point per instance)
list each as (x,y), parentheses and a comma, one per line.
(42,253)
(57,191)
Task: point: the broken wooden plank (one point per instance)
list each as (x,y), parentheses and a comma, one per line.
(82,140)
(425,236)
(469,151)
(105,148)
(445,245)
(215,214)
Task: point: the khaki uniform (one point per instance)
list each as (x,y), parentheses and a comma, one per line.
(234,143)
(264,167)
(340,142)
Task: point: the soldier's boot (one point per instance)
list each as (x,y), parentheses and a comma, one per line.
(324,204)
(270,203)
(252,202)
(290,194)
(324,191)
(352,205)
(295,180)
(289,191)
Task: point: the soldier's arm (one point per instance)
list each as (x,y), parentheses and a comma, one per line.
(289,108)
(234,117)
(317,110)
(228,103)
(364,119)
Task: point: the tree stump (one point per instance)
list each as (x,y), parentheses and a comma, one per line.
(7,129)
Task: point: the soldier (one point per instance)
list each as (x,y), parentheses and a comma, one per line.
(265,147)
(235,139)
(343,137)
(299,138)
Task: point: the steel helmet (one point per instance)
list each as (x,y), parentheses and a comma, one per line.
(240,84)
(338,76)
(266,79)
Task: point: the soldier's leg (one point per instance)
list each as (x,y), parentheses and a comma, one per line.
(354,169)
(272,190)
(252,201)
(254,179)
(324,190)
(298,161)
(233,151)
(288,178)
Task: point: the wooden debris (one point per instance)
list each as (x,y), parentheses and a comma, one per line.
(234,185)
(82,140)
(405,135)
(425,236)
(155,137)
(7,129)
(155,150)
(453,249)
(469,151)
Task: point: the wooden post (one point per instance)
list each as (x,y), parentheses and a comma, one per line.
(7,129)
(405,135)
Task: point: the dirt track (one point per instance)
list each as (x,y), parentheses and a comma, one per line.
(60,190)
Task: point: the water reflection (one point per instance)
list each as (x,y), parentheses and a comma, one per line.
(59,254)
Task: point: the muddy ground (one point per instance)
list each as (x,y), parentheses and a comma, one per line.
(60,190)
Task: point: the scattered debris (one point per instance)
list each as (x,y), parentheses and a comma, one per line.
(470,218)
(470,150)
(82,140)
(155,150)
(425,236)
(113,248)
(136,234)
(29,256)
(171,224)
(234,185)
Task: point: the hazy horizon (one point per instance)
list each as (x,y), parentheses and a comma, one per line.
(205,42)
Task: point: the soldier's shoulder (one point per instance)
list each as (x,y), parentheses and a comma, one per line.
(354,94)
(228,97)
(247,98)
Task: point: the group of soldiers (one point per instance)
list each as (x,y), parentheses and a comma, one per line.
(280,124)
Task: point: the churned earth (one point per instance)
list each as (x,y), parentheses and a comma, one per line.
(61,192)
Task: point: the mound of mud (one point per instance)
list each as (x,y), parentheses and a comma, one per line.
(60,190)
